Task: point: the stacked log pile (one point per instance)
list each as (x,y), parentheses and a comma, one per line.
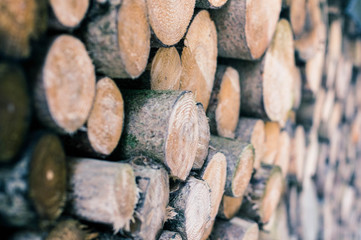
(197,119)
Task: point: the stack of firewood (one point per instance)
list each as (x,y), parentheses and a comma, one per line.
(163,119)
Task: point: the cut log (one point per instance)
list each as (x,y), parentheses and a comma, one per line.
(210,3)
(150,212)
(237,228)
(282,158)
(266,84)
(297,88)
(351,49)
(199,58)
(229,207)
(71,229)
(252,130)
(298,152)
(162,125)
(204,138)
(20,22)
(240,160)
(334,48)
(350,107)
(272,139)
(214,172)
(309,211)
(225,102)
(315,35)
(166,70)
(245,29)
(14,111)
(263,194)
(328,127)
(169,235)
(35,187)
(119,40)
(310,166)
(65,86)
(314,69)
(102,192)
(105,123)
(343,77)
(297,14)
(192,208)
(277,228)
(67,14)
(169,19)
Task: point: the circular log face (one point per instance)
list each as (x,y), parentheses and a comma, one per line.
(244,171)
(47,178)
(69,12)
(69,82)
(261,21)
(105,121)
(183,134)
(169,19)
(133,36)
(258,142)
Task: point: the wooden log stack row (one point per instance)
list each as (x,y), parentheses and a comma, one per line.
(199,119)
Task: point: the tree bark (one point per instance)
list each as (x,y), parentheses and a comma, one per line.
(102,192)
(162,125)
(252,130)
(15,111)
(65,85)
(240,159)
(210,3)
(225,102)
(245,29)
(169,235)
(192,209)
(119,39)
(35,187)
(199,58)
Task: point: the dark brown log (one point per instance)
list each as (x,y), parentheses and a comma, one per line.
(210,3)
(225,102)
(178,14)
(204,138)
(199,58)
(229,207)
(67,14)
(245,29)
(263,194)
(252,130)
(272,142)
(237,228)
(240,160)
(102,192)
(150,212)
(192,207)
(119,39)
(162,125)
(266,84)
(20,22)
(65,86)
(14,111)
(169,235)
(166,70)
(35,187)
(105,123)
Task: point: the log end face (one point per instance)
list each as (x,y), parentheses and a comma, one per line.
(244,170)
(170,19)
(69,13)
(261,21)
(182,137)
(133,36)
(166,70)
(204,138)
(68,77)
(252,232)
(126,197)
(258,141)
(106,118)
(229,103)
(230,206)
(215,175)
(47,179)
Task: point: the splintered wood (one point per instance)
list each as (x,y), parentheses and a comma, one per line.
(184,120)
